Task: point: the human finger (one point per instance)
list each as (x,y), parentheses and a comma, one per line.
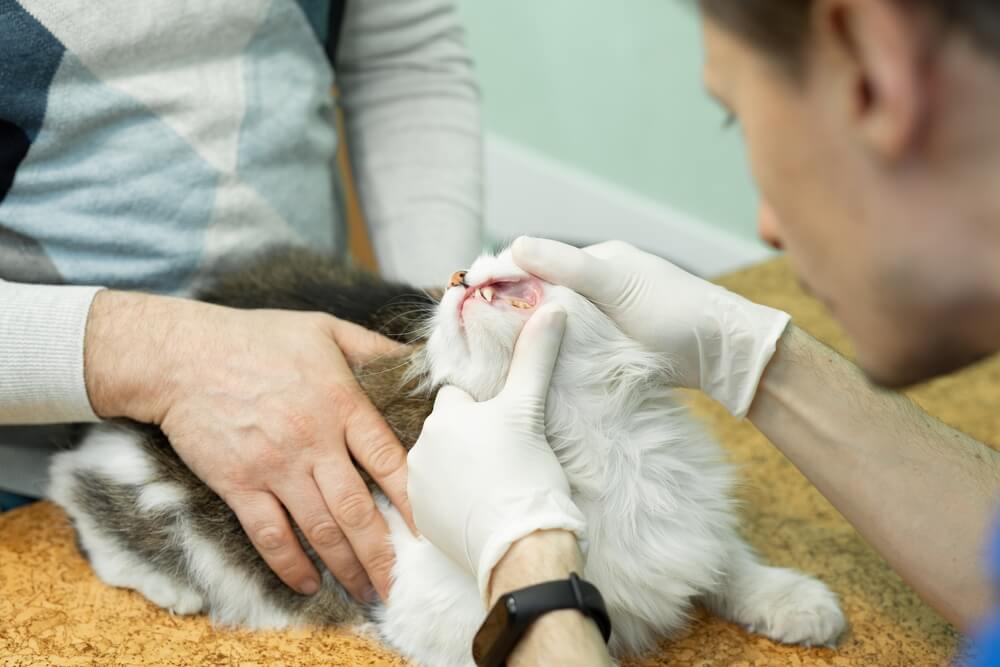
(353,507)
(266,524)
(560,264)
(359,344)
(608,249)
(450,396)
(305,503)
(535,355)
(376,449)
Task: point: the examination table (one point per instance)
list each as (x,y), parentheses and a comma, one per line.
(54,611)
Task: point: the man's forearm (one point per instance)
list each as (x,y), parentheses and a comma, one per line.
(561,637)
(412,116)
(922,493)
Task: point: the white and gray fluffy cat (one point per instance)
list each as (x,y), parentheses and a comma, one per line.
(652,484)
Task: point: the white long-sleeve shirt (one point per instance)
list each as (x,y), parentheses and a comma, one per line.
(146,142)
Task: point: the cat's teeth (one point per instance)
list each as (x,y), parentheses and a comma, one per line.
(523,305)
(487,294)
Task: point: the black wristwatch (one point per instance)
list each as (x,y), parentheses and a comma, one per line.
(514,613)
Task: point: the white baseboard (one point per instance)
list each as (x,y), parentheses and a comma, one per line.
(527,193)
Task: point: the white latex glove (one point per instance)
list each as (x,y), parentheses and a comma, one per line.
(715,340)
(482,475)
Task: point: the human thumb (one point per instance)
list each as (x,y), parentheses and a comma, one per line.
(560,264)
(535,354)
(451,397)
(360,345)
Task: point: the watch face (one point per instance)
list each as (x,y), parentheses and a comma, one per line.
(492,628)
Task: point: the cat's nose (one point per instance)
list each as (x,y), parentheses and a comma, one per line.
(458,279)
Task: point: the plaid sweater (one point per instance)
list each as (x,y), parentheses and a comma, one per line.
(142,142)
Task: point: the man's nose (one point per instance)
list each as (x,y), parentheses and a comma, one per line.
(457,279)
(768,227)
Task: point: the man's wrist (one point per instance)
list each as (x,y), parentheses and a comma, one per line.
(753,332)
(127,343)
(790,353)
(560,637)
(545,555)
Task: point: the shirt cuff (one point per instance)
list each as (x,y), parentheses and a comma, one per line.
(42,330)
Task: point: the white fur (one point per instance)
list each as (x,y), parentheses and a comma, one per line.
(236,599)
(652,484)
(430,587)
(118,567)
(160,496)
(117,454)
(109,451)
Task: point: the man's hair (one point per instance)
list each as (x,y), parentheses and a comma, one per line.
(781,28)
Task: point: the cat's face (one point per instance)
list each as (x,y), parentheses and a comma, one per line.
(476,324)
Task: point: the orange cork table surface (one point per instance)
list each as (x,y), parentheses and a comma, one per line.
(53,610)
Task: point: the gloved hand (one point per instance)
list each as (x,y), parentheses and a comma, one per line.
(482,475)
(714,340)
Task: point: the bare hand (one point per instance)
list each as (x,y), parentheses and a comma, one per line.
(262,406)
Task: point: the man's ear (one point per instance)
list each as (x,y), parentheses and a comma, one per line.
(878,48)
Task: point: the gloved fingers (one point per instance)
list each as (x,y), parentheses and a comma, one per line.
(535,354)
(558,263)
(450,395)
(431,446)
(430,509)
(609,249)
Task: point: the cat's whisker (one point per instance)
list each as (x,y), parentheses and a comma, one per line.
(362,373)
(410,314)
(409,298)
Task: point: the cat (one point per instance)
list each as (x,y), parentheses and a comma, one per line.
(652,484)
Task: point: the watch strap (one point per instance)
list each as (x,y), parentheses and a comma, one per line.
(523,607)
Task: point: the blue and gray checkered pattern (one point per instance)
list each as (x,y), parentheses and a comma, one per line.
(141,142)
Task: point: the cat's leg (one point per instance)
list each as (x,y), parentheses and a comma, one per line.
(434,608)
(782,604)
(86,482)
(122,569)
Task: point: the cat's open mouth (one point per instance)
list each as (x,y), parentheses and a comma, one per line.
(519,294)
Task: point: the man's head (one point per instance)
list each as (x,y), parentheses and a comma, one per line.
(873,129)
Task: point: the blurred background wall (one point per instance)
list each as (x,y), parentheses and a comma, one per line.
(598,127)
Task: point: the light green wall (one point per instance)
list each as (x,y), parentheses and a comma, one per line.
(613,88)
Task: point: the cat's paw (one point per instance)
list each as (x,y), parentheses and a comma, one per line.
(174,597)
(801,610)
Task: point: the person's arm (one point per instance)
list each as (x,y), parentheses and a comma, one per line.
(262,406)
(922,493)
(41,353)
(503,509)
(411,112)
(564,637)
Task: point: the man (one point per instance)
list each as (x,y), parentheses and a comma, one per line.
(142,144)
(871,127)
